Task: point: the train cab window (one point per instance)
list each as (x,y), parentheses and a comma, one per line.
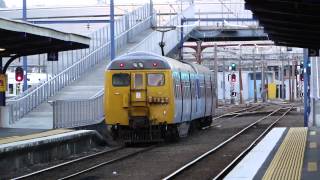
(155,79)
(121,79)
(138,81)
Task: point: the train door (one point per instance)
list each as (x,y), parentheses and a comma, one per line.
(178,96)
(138,95)
(118,98)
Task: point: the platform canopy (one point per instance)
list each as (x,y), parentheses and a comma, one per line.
(294,23)
(22,39)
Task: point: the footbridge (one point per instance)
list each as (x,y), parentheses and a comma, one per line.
(73,96)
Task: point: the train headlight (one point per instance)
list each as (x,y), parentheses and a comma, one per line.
(135,65)
(140,65)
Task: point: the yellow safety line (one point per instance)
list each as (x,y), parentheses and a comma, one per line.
(33,136)
(287,162)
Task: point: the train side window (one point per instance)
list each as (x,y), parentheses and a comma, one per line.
(121,79)
(155,79)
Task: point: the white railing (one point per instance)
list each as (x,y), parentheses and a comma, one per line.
(80,112)
(99,51)
(75,113)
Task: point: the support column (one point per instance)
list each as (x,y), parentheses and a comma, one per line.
(293,80)
(262,80)
(151,13)
(223,82)
(305,87)
(254,75)
(198,52)
(240,78)
(216,72)
(282,77)
(113,50)
(279,79)
(24,58)
(181,40)
(2,94)
(289,73)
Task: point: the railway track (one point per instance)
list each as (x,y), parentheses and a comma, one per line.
(75,167)
(197,168)
(232,115)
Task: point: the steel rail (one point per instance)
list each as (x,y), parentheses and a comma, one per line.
(108,162)
(236,114)
(193,162)
(246,151)
(68,163)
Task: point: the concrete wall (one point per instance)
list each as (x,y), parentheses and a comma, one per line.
(22,154)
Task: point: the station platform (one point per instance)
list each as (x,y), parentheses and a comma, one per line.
(21,148)
(284,153)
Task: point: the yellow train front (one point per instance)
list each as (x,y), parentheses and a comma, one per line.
(151,98)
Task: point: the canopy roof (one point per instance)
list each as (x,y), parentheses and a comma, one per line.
(22,38)
(293,23)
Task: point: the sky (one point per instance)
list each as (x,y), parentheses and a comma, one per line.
(59,3)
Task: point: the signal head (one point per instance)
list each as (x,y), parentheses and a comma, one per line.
(19,74)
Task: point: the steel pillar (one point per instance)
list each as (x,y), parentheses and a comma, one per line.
(289,72)
(2,94)
(283,90)
(223,82)
(240,77)
(113,51)
(306,94)
(216,72)
(254,76)
(181,40)
(198,52)
(24,58)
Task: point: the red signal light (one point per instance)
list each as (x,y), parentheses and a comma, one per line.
(301,77)
(121,65)
(155,64)
(233,78)
(19,74)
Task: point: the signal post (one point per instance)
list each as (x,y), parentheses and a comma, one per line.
(3,85)
(232,79)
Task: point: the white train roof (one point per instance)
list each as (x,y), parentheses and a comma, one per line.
(169,62)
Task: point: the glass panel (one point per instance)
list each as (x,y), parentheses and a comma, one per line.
(155,79)
(138,81)
(121,80)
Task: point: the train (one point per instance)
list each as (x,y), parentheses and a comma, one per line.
(150,98)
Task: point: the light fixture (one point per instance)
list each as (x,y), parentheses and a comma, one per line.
(135,65)
(140,64)
(2,49)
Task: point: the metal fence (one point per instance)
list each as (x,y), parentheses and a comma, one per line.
(126,27)
(80,112)
(74,113)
